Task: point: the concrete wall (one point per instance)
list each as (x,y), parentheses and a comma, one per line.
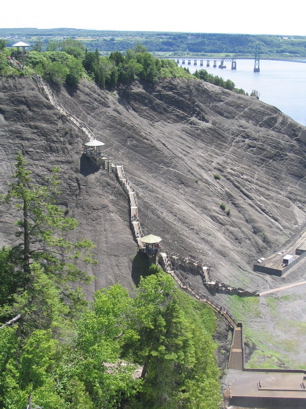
(273,271)
(267,270)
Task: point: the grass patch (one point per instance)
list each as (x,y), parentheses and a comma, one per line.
(264,357)
(278,341)
(298,327)
(264,361)
(273,303)
(273,351)
(242,307)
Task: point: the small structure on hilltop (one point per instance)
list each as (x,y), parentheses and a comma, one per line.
(21,47)
(151,245)
(19,55)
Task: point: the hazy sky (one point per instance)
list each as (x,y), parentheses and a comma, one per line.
(222,16)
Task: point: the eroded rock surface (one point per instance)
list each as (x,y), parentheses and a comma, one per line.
(187,147)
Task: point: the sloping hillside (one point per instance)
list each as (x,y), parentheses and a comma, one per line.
(187,147)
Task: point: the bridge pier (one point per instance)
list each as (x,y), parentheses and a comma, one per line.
(234,64)
(257,59)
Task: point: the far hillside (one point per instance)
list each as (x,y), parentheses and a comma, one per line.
(164,43)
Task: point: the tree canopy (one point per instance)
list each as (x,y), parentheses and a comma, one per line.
(68,62)
(42,239)
(154,349)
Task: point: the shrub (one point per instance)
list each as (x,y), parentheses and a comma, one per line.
(217,177)
(223,206)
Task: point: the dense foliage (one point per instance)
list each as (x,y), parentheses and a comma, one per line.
(68,62)
(72,62)
(154,350)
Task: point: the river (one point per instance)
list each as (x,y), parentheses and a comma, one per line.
(279,83)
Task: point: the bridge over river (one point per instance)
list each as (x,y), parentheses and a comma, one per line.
(207,62)
(212,62)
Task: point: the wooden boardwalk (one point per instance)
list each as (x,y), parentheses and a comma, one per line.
(236,360)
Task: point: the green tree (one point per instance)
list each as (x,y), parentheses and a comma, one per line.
(38,46)
(2,44)
(132,69)
(75,72)
(53,45)
(5,67)
(27,377)
(150,66)
(229,85)
(42,230)
(91,59)
(201,74)
(38,61)
(117,57)
(102,332)
(10,277)
(73,47)
(55,72)
(175,347)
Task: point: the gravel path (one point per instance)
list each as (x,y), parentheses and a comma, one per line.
(281,288)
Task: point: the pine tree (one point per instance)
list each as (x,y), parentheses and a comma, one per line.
(43,242)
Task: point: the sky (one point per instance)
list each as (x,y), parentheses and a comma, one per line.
(223,16)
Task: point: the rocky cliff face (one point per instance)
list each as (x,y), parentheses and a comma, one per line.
(187,147)
(173,138)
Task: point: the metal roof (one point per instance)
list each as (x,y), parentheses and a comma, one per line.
(94,142)
(21,44)
(151,239)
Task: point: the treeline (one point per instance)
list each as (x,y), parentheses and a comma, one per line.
(200,44)
(153,350)
(219,81)
(69,61)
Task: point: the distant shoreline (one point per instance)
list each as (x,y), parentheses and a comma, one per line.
(301,60)
(274,59)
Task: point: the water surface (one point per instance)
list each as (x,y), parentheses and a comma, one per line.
(279,83)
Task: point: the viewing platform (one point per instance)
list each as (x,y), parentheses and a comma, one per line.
(93,149)
(151,244)
(261,387)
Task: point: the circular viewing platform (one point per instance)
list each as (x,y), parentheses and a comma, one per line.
(150,244)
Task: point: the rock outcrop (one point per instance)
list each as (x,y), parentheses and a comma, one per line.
(219,176)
